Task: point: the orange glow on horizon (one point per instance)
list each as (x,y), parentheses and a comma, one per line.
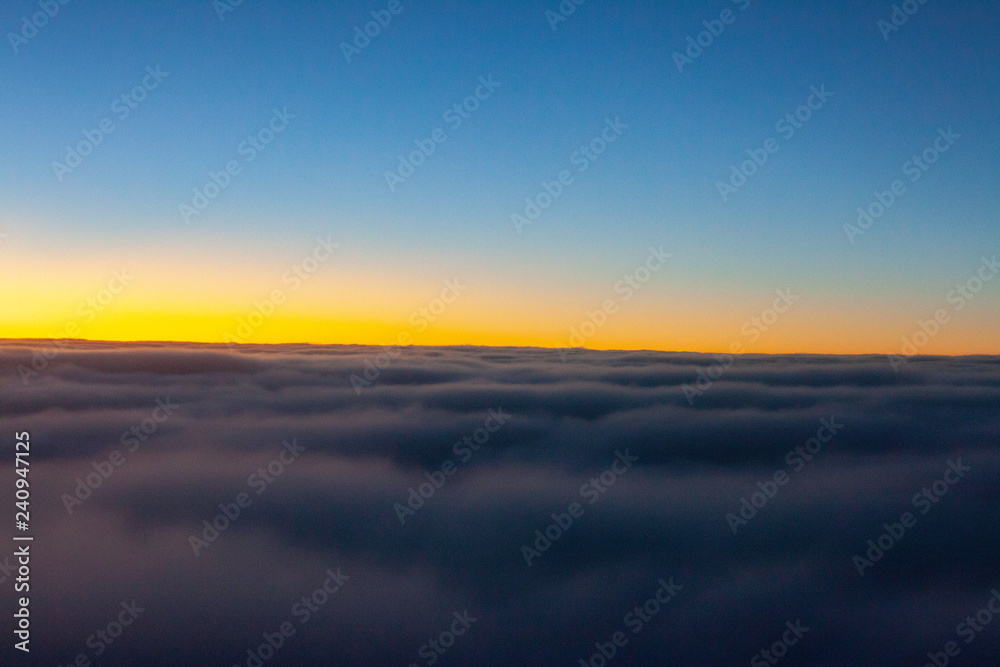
(798,338)
(357,305)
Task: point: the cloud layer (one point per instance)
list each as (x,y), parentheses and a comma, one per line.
(500,439)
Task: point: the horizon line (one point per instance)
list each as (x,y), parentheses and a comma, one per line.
(230,345)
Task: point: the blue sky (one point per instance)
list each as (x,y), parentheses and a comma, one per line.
(656,185)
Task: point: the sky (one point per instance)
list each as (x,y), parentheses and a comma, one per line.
(308,240)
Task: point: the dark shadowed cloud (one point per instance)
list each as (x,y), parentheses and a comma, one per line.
(526,433)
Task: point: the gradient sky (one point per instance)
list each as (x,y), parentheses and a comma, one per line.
(324,175)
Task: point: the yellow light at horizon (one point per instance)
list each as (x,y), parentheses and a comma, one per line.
(217,304)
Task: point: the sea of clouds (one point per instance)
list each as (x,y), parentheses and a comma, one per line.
(548,500)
